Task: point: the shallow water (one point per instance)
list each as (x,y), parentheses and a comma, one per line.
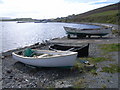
(15,35)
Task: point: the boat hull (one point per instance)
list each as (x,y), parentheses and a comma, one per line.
(60,61)
(84,32)
(83,50)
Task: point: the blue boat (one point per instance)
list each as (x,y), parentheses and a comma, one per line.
(80,33)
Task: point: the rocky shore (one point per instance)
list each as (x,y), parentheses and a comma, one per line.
(19,75)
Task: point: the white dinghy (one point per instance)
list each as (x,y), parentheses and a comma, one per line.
(48,58)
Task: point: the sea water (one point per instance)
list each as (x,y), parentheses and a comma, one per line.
(16,35)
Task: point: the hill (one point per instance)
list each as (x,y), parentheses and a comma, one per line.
(107,14)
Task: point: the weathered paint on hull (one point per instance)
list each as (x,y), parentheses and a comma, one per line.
(98,34)
(84,32)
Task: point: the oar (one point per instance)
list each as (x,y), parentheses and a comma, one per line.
(70,49)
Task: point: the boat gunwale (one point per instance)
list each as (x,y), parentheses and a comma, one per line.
(85,28)
(72,46)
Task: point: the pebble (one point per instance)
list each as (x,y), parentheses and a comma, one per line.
(10,77)
(44,79)
(9,71)
(26,80)
(111,82)
(2,57)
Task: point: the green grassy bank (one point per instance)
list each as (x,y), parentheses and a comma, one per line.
(108,14)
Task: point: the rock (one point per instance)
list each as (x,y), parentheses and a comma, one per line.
(68,86)
(83,77)
(2,57)
(27,85)
(89,66)
(57,75)
(19,79)
(63,84)
(9,71)
(36,44)
(10,77)
(26,80)
(111,82)
(44,80)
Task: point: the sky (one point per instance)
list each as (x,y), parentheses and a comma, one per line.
(47,9)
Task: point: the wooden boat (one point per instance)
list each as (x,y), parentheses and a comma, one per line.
(82,50)
(40,22)
(47,58)
(87,32)
(44,21)
(21,22)
(37,22)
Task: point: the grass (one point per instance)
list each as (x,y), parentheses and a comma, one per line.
(111,16)
(108,14)
(79,83)
(93,71)
(110,47)
(96,59)
(114,68)
(101,19)
(104,86)
(51,88)
(117,32)
(82,68)
(78,66)
(111,12)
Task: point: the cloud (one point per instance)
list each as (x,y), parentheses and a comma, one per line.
(1,1)
(102,2)
(80,1)
(46,8)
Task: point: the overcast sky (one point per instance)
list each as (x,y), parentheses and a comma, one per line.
(44,9)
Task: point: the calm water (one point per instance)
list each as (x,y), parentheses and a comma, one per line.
(15,35)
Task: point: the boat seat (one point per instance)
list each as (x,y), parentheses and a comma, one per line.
(42,55)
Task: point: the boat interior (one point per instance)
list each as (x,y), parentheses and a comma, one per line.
(44,53)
